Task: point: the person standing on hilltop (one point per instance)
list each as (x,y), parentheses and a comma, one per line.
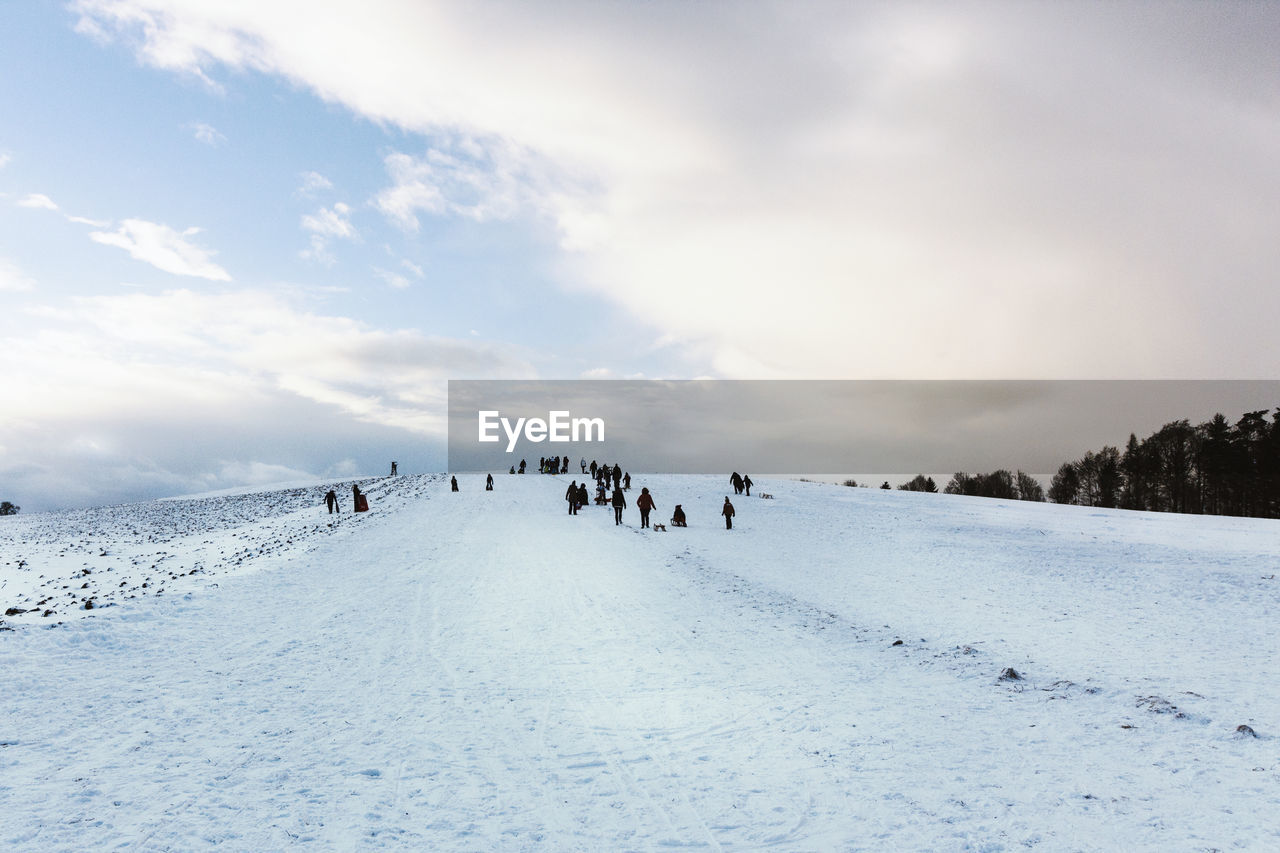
(728,513)
(488,483)
(331,500)
(619,504)
(593,469)
(453,484)
(645,504)
(571,495)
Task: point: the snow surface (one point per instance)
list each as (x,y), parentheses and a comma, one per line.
(480,671)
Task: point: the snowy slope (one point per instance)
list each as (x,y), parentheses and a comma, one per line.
(480,671)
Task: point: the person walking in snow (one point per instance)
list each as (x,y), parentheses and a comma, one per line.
(677,517)
(521,466)
(617,476)
(746,483)
(626,481)
(582,494)
(728,513)
(571,495)
(735,480)
(593,469)
(583,463)
(619,504)
(331,501)
(453,484)
(488,483)
(393,469)
(644,503)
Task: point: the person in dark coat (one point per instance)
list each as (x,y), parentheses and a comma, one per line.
(393,469)
(644,503)
(571,495)
(582,494)
(728,513)
(746,483)
(331,501)
(355,495)
(453,484)
(677,517)
(488,483)
(735,480)
(617,476)
(619,504)
(626,481)
(521,466)
(593,468)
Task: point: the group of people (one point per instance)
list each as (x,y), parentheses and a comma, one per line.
(576,496)
(550,465)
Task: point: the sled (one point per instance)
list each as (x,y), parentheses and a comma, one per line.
(362,503)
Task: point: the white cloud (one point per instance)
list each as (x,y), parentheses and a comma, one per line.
(485,184)
(318,251)
(12,279)
(199,352)
(827,190)
(324,225)
(330,222)
(207,133)
(393,279)
(37,200)
(163,248)
(412,267)
(5,157)
(95,223)
(314,182)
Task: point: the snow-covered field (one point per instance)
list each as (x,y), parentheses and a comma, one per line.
(479,671)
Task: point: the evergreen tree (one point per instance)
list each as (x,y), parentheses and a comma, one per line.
(1065,486)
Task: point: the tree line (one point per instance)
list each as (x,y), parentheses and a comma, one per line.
(1214,468)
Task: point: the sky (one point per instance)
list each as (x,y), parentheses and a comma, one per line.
(245,242)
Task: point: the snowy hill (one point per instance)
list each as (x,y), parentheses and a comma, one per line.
(479,671)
